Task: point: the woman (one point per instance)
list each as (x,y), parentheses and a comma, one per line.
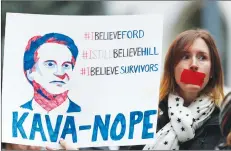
(189,118)
(190,91)
(225,122)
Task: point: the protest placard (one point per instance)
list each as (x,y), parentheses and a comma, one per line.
(92,80)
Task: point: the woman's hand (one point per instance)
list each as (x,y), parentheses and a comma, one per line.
(65,145)
(21,147)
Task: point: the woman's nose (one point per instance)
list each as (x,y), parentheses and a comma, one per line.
(194,65)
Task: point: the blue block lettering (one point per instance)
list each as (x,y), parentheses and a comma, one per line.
(69,128)
(134,121)
(53,133)
(120,118)
(37,127)
(17,124)
(147,125)
(103,126)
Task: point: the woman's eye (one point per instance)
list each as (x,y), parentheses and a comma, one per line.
(201,57)
(185,57)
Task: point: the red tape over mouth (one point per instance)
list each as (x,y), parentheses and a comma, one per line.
(192,77)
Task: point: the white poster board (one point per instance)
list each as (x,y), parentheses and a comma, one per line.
(92,80)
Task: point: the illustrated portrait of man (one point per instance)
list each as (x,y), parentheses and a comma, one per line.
(49,61)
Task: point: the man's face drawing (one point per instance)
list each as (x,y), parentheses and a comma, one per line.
(53,68)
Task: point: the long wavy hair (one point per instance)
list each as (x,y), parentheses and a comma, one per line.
(183,41)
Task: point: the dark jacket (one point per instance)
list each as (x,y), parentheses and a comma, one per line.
(207,137)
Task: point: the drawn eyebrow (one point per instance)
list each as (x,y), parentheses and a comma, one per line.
(51,61)
(69,62)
